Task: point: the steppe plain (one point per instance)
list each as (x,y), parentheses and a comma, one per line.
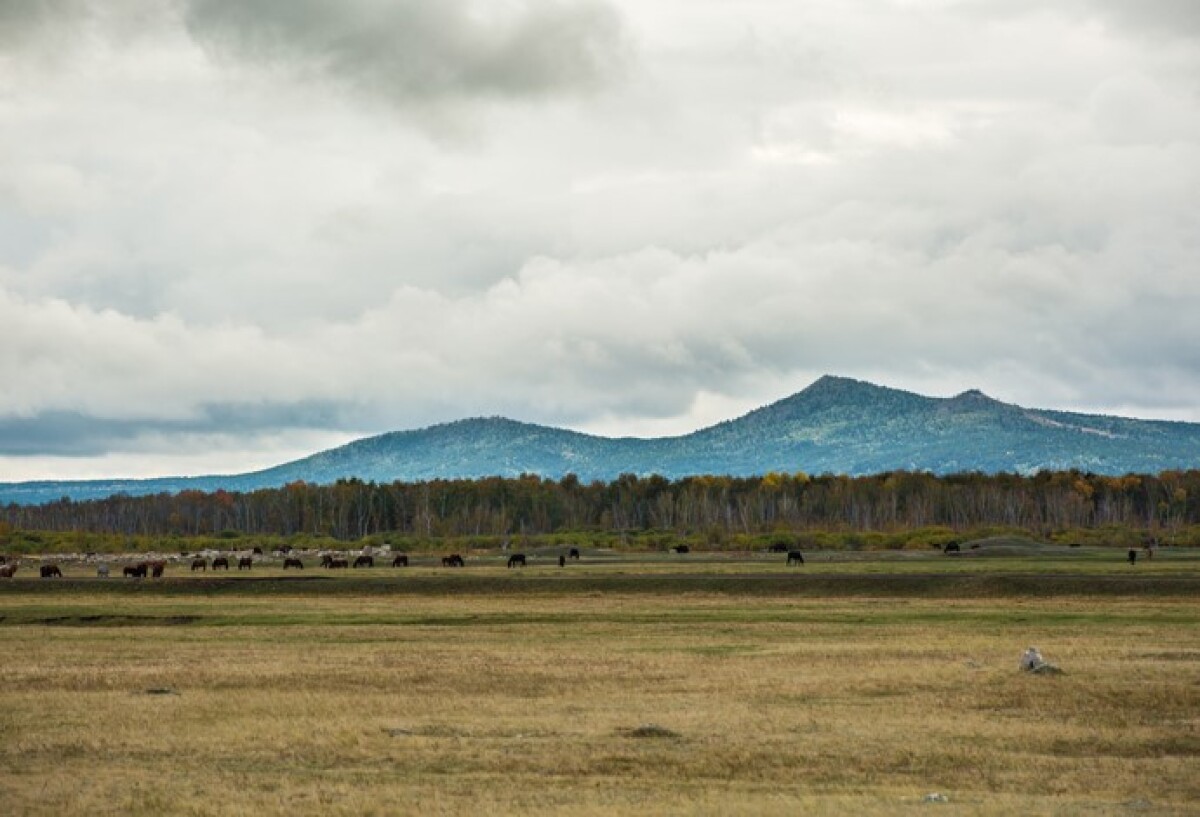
(624,683)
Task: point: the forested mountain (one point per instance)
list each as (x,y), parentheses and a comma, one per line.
(836,425)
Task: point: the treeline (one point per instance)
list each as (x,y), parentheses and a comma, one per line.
(713,506)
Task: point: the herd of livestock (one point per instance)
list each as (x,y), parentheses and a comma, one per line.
(212,561)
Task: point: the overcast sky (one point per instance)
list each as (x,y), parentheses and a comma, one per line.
(236,232)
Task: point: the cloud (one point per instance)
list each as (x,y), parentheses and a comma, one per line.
(415,52)
(214,220)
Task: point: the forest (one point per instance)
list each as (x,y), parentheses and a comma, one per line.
(895,509)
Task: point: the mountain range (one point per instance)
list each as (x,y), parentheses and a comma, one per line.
(836,425)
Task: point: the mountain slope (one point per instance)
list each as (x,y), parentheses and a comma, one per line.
(835,425)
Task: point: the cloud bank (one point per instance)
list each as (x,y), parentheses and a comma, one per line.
(238,226)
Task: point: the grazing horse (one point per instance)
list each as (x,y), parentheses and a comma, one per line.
(400,561)
(453,560)
(681,549)
(246,563)
(292,562)
(50,571)
(220,561)
(795,557)
(326,560)
(156,569)
(257,551)
(199,564)
(137,571)
(952,547)
(339,563)
(7,570)
(364,561)
(516,560)
(102,571)
(573,553)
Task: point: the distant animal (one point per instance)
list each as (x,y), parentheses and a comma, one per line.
(102,571)
(257,551)
(778,547)
(156,569)
(199,564)
(1073,545)
(453,560)
(400,561)
(292,562)
(364,561)
(137,571)
(7,570)
(516,560)
(681,549)
(220,561)
(50,571)
(326,559)
(339,563)
(1132,556)
(246,563)
(952,547)
(795,557)
(573,553)
(562,560)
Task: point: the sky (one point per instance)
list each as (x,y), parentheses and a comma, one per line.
(235,232)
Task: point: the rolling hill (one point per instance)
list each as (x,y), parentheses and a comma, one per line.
(836,425)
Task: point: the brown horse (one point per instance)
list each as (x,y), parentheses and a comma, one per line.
(364,561)
(7,571)
(135,571)
(291,562)
(453,560)
(220,562)
(246,563)
(400,561)
(156,569)
(199,564)
(516,560)
(335,564)
(50,572)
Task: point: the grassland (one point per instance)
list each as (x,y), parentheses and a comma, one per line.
(627,684)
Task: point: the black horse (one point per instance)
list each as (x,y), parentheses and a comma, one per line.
(292,562)
(364,561)
(50,572)
(220,562)
(952,548)
(795,557)
(516,560)
(246,563)
(453,560)
(400,561)
(681,549)
(573,553)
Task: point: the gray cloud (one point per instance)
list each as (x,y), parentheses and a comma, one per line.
(77,434)
(916,199)
(415,51)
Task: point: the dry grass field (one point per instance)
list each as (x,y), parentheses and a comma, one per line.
(579,693)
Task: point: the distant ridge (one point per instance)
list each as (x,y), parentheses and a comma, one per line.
(836,425)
